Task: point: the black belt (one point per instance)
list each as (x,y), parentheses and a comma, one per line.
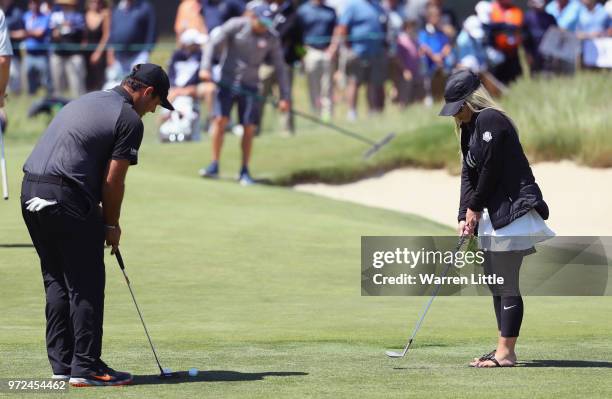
(58,180)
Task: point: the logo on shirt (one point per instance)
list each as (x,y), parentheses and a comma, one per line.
(487,136)
(133,151)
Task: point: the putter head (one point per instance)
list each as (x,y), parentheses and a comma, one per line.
(376,147)
(393,354)
(168,376)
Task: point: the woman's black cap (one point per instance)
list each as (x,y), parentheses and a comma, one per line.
(154,75)
(458,87)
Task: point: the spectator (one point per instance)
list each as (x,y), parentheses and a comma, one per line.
(566,12)
(364,22)
(448,19)
(395,25)
(97,33)
(36,44)
(593,20)
(189,16)
(435,49)
(218,12)
(14,24)
(247,41)
(471,50)
(506,26)
(67,61)
(133,34)
(184,65)
(537,22)
(6,52)
(317,21)
(284,24)
(408,54)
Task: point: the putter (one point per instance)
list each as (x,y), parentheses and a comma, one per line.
(163,374)
(375,146)
(5,191)
(401,354)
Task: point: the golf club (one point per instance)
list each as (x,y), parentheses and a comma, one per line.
(394,354)
(163,374)
(5,191)
(375,146)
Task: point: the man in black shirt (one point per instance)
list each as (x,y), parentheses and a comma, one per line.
(80,163)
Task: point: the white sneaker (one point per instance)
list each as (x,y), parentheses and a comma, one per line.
(351,115)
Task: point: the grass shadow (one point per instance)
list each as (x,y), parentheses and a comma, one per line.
(213,376)
(566,364)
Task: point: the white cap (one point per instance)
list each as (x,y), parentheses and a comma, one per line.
(483,11)
(192,36)
(473,27)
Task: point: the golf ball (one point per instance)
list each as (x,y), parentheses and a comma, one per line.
(193,372)
(167,370)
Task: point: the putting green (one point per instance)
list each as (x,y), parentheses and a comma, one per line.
(259,288)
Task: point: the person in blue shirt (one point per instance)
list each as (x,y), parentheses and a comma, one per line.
(593,20)
(435,48)
(133,34)
(36,44)
(67,60)
(566,12)
(363,24)
(317,22)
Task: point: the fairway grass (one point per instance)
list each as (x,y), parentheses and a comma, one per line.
(259,288)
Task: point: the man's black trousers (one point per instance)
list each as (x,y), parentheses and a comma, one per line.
(69,239)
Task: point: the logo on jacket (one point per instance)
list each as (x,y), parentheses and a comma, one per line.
(487,136)
(133,151)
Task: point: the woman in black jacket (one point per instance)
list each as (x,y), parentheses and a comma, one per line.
(499,198)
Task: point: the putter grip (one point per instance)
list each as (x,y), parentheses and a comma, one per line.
(119,259)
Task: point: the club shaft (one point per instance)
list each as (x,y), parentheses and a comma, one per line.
(312,118)
(127,280)
(431,299)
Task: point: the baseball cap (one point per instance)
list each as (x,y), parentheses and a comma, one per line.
(264,14)
(154,75)
(459,86)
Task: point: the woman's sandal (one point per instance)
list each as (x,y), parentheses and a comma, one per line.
(496,363)
(486,356)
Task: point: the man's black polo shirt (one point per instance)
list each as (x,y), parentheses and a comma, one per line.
(84,136)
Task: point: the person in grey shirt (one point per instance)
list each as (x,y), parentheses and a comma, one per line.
(6,52)
(71,197)
(245,43)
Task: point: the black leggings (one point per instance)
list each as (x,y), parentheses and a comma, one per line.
(507,300)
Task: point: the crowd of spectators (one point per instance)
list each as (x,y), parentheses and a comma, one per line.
(341,46)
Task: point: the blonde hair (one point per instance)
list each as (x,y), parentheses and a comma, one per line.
(477,102)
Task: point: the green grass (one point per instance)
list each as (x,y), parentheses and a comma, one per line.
(259,288)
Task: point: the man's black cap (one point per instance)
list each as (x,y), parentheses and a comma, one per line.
(154,75)
(459,86)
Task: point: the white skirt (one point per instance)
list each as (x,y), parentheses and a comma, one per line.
(523,233)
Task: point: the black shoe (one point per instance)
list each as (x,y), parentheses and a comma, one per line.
(104,376)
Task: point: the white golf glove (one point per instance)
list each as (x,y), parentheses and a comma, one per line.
(37,204)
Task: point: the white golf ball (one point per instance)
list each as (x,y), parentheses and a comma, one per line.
(167,370)
(193,372)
